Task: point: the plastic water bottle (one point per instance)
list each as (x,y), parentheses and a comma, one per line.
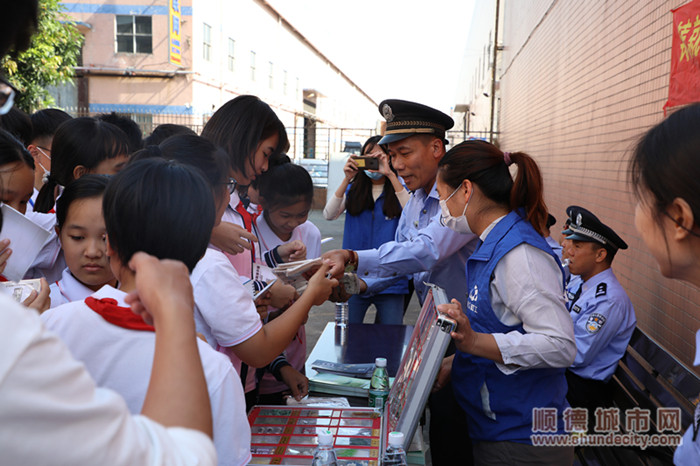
(341,313)
(324,455)
(379,385)
(395,454)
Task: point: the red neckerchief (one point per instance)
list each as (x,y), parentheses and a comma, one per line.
(116,315)
(248,220)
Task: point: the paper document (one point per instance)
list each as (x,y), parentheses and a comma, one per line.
(26,240)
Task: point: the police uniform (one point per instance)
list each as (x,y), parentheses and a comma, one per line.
(432,253)
(603,318)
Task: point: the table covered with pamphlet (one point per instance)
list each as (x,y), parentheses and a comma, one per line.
(341,363)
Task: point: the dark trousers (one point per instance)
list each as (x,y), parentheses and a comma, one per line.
(449,437)
(589,394)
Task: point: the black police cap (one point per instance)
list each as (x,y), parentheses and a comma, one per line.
(404,119)
(585,226)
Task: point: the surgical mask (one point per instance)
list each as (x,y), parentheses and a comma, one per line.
(458,224)
(373,175)
(45,177)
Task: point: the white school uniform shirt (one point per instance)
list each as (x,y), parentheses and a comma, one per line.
(49,262)
(51,412)
(224,311)
(243,261)
(67,289)
(307,233)
(121,359)
(295,352)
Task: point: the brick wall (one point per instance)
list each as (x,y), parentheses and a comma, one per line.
(580,81)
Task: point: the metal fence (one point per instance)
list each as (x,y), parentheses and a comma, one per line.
(311,144)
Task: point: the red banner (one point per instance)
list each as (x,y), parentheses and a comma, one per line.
(684,85)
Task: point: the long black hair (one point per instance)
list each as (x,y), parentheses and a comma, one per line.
(359,196)
(240,125)
(12,150)
(81,141)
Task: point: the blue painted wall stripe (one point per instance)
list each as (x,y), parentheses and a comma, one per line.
(153,109)
(145,10)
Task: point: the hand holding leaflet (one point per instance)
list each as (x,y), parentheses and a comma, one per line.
(26,238)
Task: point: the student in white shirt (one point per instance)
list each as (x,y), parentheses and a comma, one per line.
(80,146)
(286,193)
(16,178)
(81,229)
(250,133)
(114,344)
(45,122)
(234,329)
(51,411)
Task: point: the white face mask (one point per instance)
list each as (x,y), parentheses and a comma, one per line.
(45,177)
(458,224)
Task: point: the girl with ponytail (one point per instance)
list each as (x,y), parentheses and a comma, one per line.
(81,146)
(515,339)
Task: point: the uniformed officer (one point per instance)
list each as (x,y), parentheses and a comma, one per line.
(415,142)
(600,308)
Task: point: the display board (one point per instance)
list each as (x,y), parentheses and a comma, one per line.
(288,435)
(419,367)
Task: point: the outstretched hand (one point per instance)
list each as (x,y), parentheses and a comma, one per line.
(337,259)
(231,238)
(320,285)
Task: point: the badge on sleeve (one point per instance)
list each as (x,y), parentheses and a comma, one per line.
(601,289)
(595,322)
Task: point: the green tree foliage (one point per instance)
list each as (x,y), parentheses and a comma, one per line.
(48,61)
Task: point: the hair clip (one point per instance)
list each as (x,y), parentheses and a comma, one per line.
(506,158)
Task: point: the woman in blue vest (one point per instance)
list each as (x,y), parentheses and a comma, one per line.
(373,201)
(515,338)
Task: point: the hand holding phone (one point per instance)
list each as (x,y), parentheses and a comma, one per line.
(366,162)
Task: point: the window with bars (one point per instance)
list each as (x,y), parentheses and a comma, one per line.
(206,42)
(231,54)
(134,34)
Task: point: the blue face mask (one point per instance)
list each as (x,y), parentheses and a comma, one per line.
(374,175)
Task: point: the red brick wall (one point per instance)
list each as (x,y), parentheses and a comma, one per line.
(580,81)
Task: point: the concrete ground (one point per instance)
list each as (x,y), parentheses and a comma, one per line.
(321,315)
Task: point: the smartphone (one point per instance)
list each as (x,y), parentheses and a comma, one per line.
(366,162)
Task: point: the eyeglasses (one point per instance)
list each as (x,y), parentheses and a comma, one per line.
(7,91)
(231,185)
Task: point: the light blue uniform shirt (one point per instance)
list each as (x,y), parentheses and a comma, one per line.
(603,324)
(431,252)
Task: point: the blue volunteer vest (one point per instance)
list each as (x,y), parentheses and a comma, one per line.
(369,230)
(505,412)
